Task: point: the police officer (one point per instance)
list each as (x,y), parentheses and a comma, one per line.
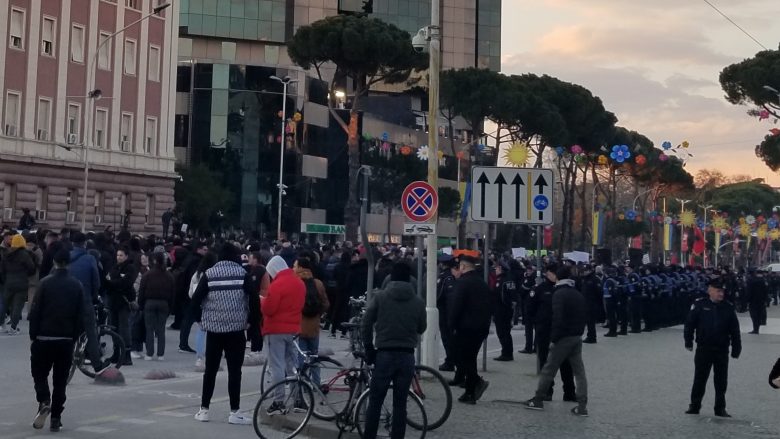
(526,292)
(503,295)
(445,288)
(591,290)
(610,291)
(757,297)
(714,323)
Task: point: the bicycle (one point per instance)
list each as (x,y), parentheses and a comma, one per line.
(297,404)
(110,343)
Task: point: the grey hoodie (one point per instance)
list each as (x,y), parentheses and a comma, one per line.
(398,315)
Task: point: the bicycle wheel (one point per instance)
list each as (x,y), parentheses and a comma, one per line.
(333,393)
(112,349)
(434,392)
(289,419)
(415,413)
(78,356)
(265,377)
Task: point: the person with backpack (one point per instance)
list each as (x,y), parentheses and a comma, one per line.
(315,304)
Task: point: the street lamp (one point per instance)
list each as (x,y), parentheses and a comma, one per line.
(286,81)
(95,94)
(705,207)
(682,229)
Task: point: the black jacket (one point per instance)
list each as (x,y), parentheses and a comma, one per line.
(540,305)
(757,291)
(156,284)
(471,307)
(569,313)
(58,309)
(715,324)
(120,284)
(445,288)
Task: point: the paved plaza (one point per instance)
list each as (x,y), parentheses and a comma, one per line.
(638,388)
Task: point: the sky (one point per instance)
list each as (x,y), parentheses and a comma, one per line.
(655,64)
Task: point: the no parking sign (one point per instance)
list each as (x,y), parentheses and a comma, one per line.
(420,201)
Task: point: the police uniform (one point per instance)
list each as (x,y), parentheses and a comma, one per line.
(502,316)
(715,326)
(445,288)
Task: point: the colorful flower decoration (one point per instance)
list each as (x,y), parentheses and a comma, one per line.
(517,154)
(687,218)
(367,136)
(772,223)
(580,158)
(461,155)
(774,234)
(422,153)
(750,219)
(385,147)
(763,114)
(481,147)
(663,157)
(668,220)
(719,223)
(603,160)
(620,153)
(442,160)
(406,150)
(744,230)
(297,117)
(576,149)
(742,220)
(641,160)
(631,215)
(667,145)
(638,218)
(385,136)
(762,232)
(685,144)
(621,217)
(559,150)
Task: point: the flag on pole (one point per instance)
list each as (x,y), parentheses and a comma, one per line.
(466,202)
(668,237)
(598,228)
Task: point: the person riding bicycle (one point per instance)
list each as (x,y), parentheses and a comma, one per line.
(397,315)
(83,267)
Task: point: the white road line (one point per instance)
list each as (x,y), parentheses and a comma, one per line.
(135,421)
(174,414)
(95,429)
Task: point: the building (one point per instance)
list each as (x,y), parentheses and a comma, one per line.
(227,105)
(50,61)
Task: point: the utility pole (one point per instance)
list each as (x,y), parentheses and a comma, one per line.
(706,207)
(682,229)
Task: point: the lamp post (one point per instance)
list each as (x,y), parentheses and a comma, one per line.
(94,94)
(682,229)
(286,81)
(705,207)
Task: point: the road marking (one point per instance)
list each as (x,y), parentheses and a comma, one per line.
(173,414)
(135,421)
(95,429)
(46,437)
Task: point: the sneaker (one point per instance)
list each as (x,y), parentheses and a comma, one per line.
(236,418)
(580,411)
(589,341)
(13,331)
(40,418)
(135,355)
(331,335)
(534,404)
(343,336)
(482,385)
(202,415)
(147,358)
(722,413)
(186,350)
(160,358)
(199,362)
(276,408)
(504,358)
(527,351)
(468,398)
(447,367)
(55,425)
(692,411)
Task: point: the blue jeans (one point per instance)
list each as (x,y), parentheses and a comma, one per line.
(200,342)
(282,356)
(310,346)
(398,368)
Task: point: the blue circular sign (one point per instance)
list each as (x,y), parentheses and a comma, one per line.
(541,202)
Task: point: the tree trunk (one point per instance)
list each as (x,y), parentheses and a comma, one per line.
(583,208)
(352,208)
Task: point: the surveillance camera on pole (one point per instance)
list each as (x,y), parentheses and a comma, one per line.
(421,40)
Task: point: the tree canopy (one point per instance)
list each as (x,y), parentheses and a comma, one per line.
(748,197)
(769,152)
(745,82)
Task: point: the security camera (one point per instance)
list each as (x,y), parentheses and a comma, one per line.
(420,40)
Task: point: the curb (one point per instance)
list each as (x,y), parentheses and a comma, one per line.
(315,428)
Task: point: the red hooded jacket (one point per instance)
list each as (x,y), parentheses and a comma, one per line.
(282,306)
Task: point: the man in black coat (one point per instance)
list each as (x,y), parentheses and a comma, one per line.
(121,296)
(714,323)
(591,290)
(445,289)
(56,321)
(469,319)
(757,297)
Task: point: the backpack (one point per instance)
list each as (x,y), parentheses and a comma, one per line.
(312,306)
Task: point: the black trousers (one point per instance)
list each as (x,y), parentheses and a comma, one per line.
(612,318)
(757,315)
(704,360)
(55,356)
(233,345)
(542,352)
(446,338)
(185,324)
(467,347)
(622,312)
(503,321)
(635,309)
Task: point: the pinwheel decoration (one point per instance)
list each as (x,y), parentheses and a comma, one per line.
(719,223)
(685,144)
(576,149)
(774,234)
(630,215)
(620,153)
(772,223)
(641,160)
(385,147)
(461,155)
(667,145)
(559,151)
(603,160)
(580,158)
(763,114)
(297,117)
(385,136)
(422,153)
(762,232)
(750,219)
(663,157)
(406,150)
(744,230)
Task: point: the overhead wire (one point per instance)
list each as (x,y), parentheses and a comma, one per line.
(735,24)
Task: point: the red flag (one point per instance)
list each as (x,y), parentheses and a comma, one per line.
(548,236)
(698,243)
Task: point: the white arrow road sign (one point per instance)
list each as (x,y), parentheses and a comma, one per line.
(512,195)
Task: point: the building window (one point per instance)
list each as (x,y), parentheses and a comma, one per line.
(99,202)
(101,119)
(47,36)
(41,203)
(77,43)
(154,63)
(44,118)
(126,132)
(132,4)
(149,210)
(104,54)
(124,203)
(16,31)
(150,139)
(74,123)
(12,101)
(130,57)
(9,196)
(70,202)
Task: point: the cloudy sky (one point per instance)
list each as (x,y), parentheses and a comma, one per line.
(655,64)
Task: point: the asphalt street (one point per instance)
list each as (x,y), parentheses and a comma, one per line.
(639,387)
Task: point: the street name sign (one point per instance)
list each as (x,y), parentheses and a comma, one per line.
(419,229)
(512,195)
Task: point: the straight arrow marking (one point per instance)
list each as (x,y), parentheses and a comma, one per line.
(500,181)
(483,182)
(517,182)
